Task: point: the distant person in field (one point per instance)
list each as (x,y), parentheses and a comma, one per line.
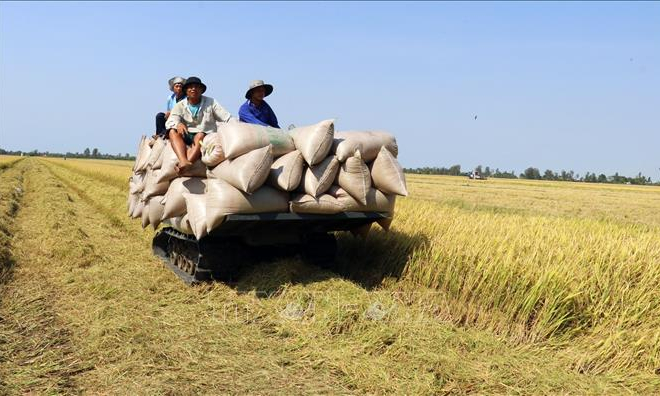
(176,86)
(191,119)
(255,110)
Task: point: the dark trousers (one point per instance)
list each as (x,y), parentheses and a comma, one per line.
(160,125)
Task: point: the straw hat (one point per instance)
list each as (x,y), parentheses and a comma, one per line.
(256,84)
(175,80)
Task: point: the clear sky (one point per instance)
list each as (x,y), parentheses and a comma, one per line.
(553,85)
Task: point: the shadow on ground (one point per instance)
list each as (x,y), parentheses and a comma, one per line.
(364,261)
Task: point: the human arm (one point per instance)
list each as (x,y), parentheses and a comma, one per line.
(175,119)
(171,102)
(220,114)
(272,118)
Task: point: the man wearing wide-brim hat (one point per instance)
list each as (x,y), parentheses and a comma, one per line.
(255,110)
(191,119)
(176,86)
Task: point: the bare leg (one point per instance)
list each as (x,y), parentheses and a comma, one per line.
(196,150)
(179,147)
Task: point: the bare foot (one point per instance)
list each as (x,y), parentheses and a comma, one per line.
(182,167)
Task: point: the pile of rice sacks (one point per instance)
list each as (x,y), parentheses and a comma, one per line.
(247,168)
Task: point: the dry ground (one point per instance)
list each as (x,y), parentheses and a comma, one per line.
(498,287)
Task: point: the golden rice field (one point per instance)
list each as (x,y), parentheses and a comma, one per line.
(480,287)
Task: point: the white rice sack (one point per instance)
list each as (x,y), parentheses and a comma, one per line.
(132,202)
(129,203)
(346,143)
(156,151)
(388,141)
(156,208)
(280,140)
(147,154)
(387,174)
(238,138)
(247,172)
(318,178)
(139,208)
(140,153)
(175,205)
(145,214)
(137,154)
(170,161)
(145,151)
(286,171)
(152,186)
(354,177)
(212,153)
(196,207)
(324,204)
(376,201)
(314,141)
(180,224)
(166,151)
(223,199)
(136,183)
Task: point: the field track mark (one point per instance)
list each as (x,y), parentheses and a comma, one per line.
(6,165)
(11,194)
(109,213)
(36,354)
(137,325)
(105,179)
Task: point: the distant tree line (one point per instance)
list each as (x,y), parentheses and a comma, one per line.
(535,174)
(94,153)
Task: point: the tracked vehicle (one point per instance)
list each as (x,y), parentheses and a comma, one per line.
(243,237)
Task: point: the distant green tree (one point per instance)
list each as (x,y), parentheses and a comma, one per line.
(531,173)
(95,153)
(549,175)
(86,152)
(455,170)
(590,178)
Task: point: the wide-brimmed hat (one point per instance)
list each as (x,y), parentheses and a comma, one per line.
(194,80)
(256,84)
(175,80)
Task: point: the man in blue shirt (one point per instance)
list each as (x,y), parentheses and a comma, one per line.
(255,110)
(176,86)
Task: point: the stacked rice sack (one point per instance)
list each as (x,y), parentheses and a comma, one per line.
(248,168)
(154,173)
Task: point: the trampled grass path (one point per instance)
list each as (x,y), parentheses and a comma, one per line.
(87,308)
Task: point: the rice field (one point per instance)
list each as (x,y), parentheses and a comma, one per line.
(480,287)
(7,161)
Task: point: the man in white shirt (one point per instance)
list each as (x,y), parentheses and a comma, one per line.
(191,119)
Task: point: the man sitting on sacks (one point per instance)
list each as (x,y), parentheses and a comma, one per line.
(176,86)
(255,110)
(191,119)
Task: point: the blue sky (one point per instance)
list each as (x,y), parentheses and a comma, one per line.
(553,85)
